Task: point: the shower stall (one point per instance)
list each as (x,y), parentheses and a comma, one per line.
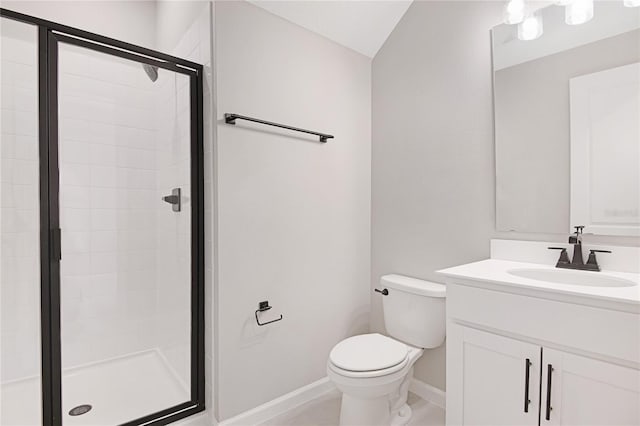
(102,280)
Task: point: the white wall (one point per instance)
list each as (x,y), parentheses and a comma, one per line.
(174,19)
(433,167)
(130,21)
(293,214)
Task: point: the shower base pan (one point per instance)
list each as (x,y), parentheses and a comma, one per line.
(118,390)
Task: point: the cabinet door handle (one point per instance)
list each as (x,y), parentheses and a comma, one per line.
(549,408)
(527,365)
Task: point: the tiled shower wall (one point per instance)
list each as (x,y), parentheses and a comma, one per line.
(108,150)
(19,205)
(174,261)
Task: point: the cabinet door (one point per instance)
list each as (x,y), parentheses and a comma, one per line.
(500,380)
(583,391)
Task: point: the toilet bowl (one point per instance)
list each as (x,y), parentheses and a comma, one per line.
(373,371)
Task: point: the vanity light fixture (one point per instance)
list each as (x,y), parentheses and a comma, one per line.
(514,12)
(631,3)
(531,28)
(578,12)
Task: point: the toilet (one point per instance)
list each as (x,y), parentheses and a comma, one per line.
(373,371)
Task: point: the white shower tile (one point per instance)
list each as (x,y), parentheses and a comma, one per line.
(104,198)
(77,197)
(75,242)
(75,107)
(103,219)
(104,263)
(104,155)
(75,219)
(25,148)
(77,130)
(23,100)
(103,241)
(76,264)
(73,60)
(20,51)
(20,244)
(102,133)
(74,174)
(25,172)
(24,76)
(135,158)
(104,176)
(74,151)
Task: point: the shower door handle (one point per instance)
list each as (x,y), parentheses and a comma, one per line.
(174,199)
(56,244)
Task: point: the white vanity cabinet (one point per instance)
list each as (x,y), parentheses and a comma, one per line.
(506,381)
(498,374)
(587,391)
(518,357)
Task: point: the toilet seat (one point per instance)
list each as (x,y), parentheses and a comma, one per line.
(368,355)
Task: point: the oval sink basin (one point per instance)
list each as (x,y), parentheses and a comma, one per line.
(563,276)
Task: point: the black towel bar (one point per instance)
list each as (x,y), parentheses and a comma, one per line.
(230,118)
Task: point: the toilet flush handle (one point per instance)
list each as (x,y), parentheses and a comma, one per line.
(384,291)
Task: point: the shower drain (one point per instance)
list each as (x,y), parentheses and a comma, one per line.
(80,410)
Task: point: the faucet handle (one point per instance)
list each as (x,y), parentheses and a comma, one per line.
(579,229)
(592,263)
(564,257)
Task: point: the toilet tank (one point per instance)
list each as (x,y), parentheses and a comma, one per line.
(414,310)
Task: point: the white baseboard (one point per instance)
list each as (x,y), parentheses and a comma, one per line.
(281,405)
(202,419)
(428,393)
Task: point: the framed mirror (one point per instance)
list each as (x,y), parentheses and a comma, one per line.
(567,126)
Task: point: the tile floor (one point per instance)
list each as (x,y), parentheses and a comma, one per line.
(325,411)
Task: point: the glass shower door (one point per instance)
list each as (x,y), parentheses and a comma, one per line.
(20,379)
(126,213)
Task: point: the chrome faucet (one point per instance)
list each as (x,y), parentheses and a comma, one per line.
(577,262)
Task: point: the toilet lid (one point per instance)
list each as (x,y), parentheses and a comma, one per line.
(368,352)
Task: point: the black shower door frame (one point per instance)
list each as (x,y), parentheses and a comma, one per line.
(50,34)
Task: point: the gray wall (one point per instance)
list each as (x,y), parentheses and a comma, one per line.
(293,214)
(532,132)
(432,154)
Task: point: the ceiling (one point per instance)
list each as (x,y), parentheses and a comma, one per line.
(361,25)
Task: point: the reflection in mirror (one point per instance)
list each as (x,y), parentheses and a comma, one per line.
(566,123)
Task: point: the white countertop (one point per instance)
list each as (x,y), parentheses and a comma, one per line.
(495,272)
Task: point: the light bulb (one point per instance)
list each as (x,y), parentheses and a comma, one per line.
(514,12)
(578,12)
(632,3)
(530,28)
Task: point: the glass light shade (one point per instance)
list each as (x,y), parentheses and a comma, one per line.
(514,12)
(578,12)
(632,3)
(531,28)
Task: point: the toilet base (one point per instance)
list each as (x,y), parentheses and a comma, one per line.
(364,412)
(385,410)
(402,416)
